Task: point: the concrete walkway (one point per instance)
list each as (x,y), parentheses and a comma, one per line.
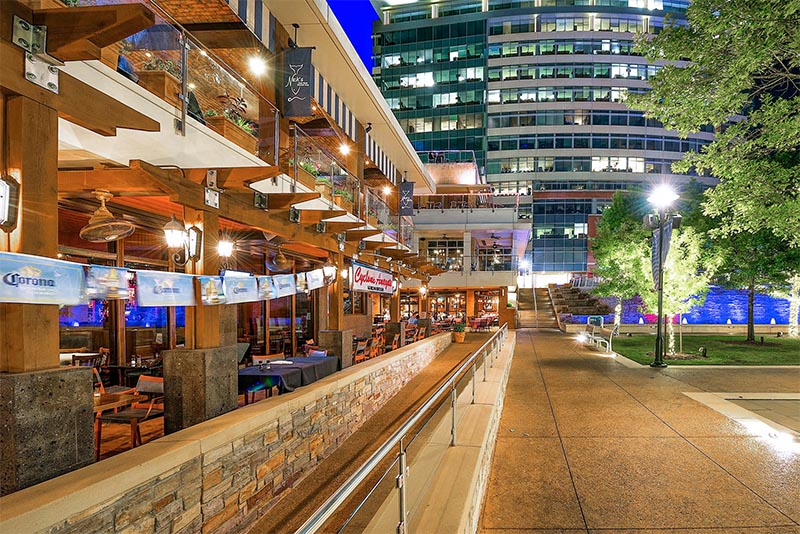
(589,445)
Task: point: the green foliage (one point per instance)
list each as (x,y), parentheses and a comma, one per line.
(721,350)
(167,65)
(621,249)
(743,78)
(460,327)
(211,113)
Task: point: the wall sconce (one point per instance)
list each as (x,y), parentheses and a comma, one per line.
(185,243)
(329,270)
(9,203)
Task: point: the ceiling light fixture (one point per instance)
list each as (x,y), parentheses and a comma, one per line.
(344,149)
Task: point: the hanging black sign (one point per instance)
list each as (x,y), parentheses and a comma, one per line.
(298,83)
(407,198)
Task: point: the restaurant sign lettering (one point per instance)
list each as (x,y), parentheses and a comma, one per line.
(159,288)
(371,280)
(29,279)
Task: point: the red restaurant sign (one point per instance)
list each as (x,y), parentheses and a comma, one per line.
(372,280)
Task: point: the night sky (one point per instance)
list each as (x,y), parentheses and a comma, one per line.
(356,18)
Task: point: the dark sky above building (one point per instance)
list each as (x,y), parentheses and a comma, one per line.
(356,18)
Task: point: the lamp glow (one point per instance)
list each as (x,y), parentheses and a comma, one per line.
(344,148)
(225,248)
(257,65)
(662,196)
(387,190)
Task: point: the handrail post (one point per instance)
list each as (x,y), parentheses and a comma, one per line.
(485,357)
(184,81)
(277,133)
(453,427)
(401,487)
(473,382)
(296,157)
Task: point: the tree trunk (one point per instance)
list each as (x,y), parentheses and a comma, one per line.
(671,334)
(751,297)
(794,307)
(618,312)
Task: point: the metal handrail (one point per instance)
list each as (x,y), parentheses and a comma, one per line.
(324,512)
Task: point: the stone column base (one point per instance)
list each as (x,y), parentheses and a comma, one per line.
(395,328)
(338,343)
(47,425)
(199,384)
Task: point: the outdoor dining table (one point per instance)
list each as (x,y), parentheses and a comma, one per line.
(286,378)
(312,368)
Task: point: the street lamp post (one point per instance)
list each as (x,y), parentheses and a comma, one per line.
(662,198)
(659,352)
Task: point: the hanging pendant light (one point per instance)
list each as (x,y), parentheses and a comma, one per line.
(103,226)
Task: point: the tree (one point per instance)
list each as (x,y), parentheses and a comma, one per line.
(792,294)
(620,251)
(688,271)
(756,261)
(743,77)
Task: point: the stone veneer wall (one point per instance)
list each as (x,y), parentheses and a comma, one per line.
(220,475)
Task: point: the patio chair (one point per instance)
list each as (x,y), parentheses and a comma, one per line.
(360,354)
(318,352)
(152,389)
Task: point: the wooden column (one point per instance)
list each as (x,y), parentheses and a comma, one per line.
(206,319)
(394,306)
(336,297)
(29,335)
(119,311)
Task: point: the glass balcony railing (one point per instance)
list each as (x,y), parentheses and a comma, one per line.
(314,167)
(482,261)
(167,61)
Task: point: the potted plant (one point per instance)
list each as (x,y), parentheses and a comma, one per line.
(459,332)
(231,123)
(162,77)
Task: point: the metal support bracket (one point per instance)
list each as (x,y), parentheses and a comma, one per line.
(321,227)
(294,215)
(40,68)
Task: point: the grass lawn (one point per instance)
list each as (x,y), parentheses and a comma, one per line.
(721,350)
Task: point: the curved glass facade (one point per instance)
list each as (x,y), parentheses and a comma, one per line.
(537,88)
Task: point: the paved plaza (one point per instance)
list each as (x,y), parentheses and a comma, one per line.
(589,445)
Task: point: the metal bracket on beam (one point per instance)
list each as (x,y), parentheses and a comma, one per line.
(40,68)
(294,215)
(260,201)
(321,227)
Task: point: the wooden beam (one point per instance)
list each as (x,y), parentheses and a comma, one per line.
(120,182)
(278,201)
(78,33)
(337,227)
(76,102)
(315,216)
(377,245)
(238,178)
(358,235)
(394,253)
(227,35)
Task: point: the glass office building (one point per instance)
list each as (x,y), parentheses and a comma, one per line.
(537,89)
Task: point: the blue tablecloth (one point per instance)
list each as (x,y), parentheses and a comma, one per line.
(311,368)
(285,377)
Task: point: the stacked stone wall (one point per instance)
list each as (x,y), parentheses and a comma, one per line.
(221,475)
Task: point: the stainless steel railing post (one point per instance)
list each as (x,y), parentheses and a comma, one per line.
(401,487)
(473,383)
(453,404)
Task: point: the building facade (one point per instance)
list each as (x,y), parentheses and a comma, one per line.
(536,88)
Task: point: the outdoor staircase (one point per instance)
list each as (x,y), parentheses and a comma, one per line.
(535,313)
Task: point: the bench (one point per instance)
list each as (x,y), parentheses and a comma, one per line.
(599,336)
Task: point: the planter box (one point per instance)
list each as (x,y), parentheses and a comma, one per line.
(343,203)
(162,84)
(228,129)
(458,337)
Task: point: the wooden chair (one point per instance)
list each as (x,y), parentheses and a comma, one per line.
(152,389)
(317,352)
(98,384)
(361,354)
(394,346)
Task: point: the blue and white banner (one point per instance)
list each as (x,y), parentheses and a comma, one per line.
(103,283)
(240,287)
(315,279)
(158,288)
(301,283)
(284,285)
(212,292)
(28,279)
(265,289)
